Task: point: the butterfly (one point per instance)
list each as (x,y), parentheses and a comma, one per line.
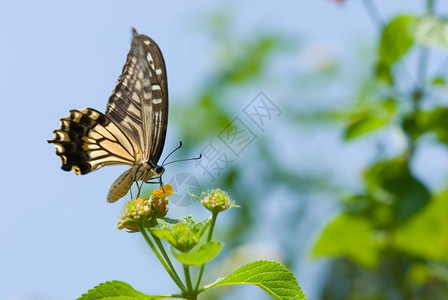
(132,130)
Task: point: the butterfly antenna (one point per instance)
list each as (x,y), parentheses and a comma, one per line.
(187,159)
(180,146)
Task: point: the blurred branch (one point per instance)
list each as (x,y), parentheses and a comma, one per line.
(422,66)
(423,55)
(430,6)
(373,12)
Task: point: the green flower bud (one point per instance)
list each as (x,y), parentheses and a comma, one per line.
(217,201)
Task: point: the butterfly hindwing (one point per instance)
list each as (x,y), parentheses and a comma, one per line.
(88,140)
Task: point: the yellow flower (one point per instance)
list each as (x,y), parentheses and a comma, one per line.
(160,204)
(164,191)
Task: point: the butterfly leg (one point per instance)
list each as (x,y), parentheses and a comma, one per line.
(160,180)
(139,187)
(156,180)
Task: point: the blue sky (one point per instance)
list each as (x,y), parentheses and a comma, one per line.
(57,238)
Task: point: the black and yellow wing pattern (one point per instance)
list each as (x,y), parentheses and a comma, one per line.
(133,129)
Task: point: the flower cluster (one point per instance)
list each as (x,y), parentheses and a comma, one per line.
(144,212)
(217,201)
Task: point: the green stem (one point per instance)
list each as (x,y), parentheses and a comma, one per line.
(209,238)
(174,276)
(422,67)
(212,227)
(167,259)
(191,293)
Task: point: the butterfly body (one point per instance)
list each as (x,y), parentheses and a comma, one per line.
(132,130)
(138,172)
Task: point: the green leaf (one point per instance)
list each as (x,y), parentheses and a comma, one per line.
(426,234)
(182,234)
(390,182)
(362,126)
(432,31)
(412,126)
(396,39)
(435,121)
(116,290)
(358,204)
(349,235)
(368,115)
(198,255)
(272,277)
(383,72)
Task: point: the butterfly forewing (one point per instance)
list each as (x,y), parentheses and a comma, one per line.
(139,102)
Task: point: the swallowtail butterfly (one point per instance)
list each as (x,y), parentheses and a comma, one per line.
(133,129)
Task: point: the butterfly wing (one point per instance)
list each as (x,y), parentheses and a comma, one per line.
(88,140)
(139,102)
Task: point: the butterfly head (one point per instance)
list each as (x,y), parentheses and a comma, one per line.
(151,171)
(159,170)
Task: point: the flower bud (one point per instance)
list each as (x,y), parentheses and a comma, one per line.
(217,201)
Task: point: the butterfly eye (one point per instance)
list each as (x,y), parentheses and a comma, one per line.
(160,170)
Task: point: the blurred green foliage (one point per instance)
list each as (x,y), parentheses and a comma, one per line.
(389,240)
(426,234)
(349,235)
(431,31)
(209,112)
